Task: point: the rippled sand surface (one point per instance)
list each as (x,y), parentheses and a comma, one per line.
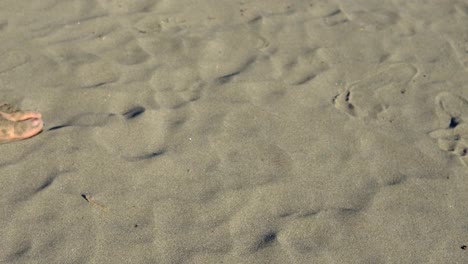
(236,131)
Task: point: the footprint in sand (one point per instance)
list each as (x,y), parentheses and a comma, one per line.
(16,124)
(376,93)
(453,113)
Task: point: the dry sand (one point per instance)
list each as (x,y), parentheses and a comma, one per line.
(236,131)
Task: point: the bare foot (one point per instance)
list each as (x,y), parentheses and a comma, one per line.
(13,113)
(16,124)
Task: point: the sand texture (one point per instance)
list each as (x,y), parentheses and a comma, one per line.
(242,132)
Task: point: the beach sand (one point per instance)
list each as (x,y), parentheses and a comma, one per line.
(236,131)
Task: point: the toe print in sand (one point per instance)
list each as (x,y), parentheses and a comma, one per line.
(453,136)
(374,94)
(16,124)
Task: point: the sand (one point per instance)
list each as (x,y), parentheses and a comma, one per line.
(236,131)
